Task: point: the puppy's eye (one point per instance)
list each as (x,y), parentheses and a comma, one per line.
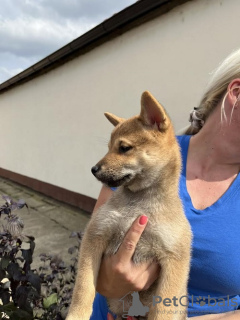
(124,149)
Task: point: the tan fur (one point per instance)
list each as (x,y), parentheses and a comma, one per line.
(146,175)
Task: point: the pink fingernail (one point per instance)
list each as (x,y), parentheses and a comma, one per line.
(129,318)
(108,316)
(143,220)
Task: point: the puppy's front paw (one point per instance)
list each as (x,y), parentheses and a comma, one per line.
(78,316)
(70,317)
(81,317)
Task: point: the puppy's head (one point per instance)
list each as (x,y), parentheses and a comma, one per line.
(139,148)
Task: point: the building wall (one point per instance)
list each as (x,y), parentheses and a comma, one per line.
(53,128)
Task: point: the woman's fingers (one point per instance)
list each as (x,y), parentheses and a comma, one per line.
(131,239)
(151,274)
(110,317)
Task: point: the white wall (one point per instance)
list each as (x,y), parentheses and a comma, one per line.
(53,128)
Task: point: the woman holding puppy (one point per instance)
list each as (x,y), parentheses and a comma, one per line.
(209,189)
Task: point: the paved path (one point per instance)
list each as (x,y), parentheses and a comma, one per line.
(49,221)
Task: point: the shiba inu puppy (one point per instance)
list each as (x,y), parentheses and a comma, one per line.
(144,162)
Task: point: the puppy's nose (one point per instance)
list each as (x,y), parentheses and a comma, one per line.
(95,169)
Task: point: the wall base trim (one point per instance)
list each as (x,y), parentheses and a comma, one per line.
(70,197)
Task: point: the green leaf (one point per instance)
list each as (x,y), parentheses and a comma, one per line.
(13,312)
(2,274)
(5,262)
(8,307)
(47,302)
(38,313)
(21,315)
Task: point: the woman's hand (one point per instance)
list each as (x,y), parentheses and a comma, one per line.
(118,275)
(110,317)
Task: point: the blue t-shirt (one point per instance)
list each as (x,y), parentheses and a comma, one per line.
(214,280)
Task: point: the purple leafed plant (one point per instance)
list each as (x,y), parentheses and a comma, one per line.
(26,293)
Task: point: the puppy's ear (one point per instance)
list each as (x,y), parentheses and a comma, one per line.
(153,113)
(113,119)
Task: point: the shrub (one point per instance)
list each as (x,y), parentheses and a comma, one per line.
(42,293)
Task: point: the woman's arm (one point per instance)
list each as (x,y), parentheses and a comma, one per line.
(118,275)
(104,195)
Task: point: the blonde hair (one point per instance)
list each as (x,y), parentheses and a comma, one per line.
(216,90)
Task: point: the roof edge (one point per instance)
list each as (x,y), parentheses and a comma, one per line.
(128,18)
